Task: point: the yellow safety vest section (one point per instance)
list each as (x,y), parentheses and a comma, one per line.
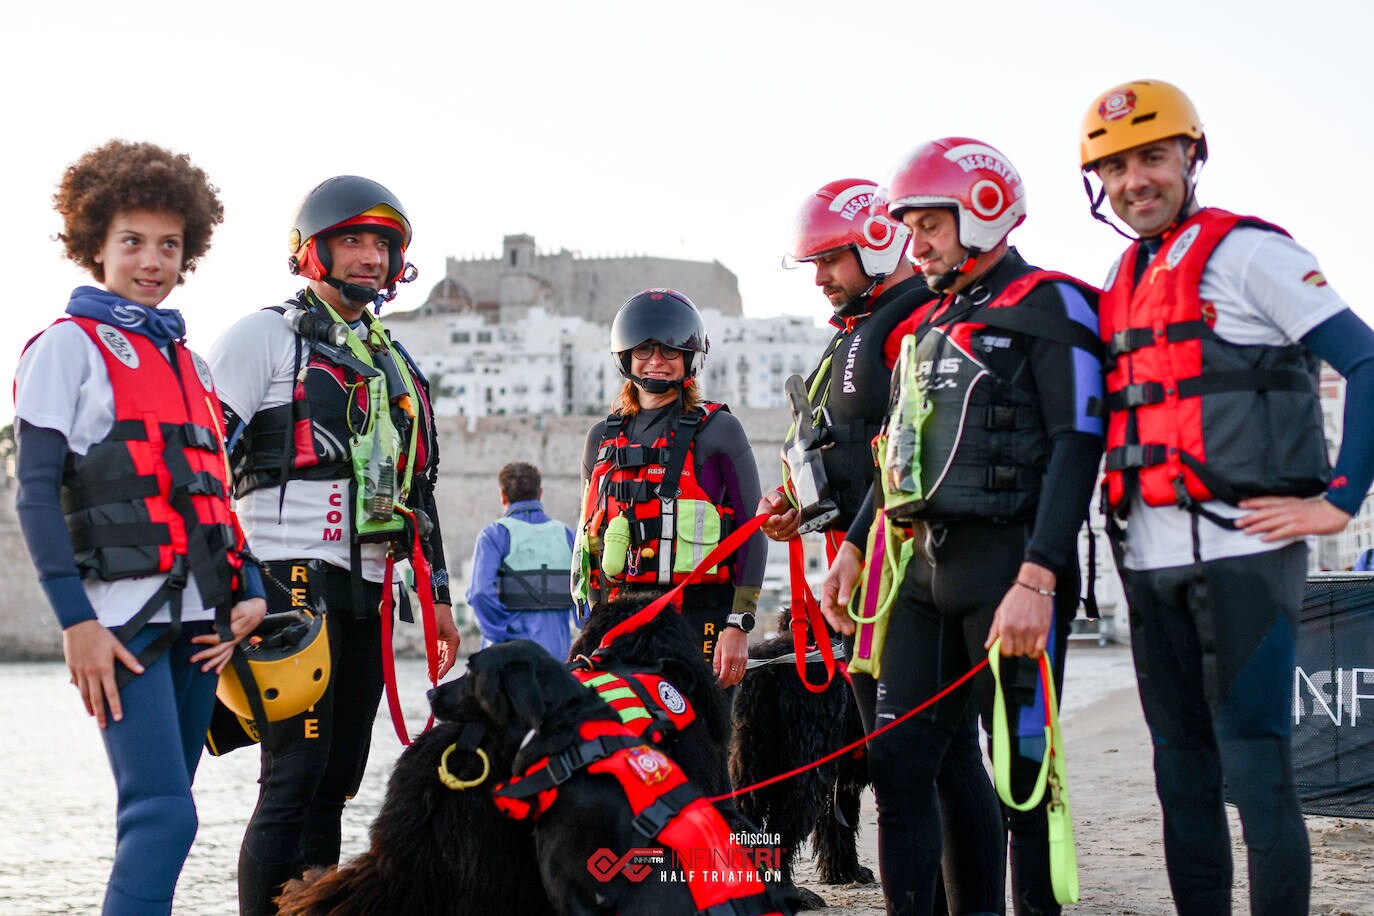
(379,438)
(898,449)
(696,534)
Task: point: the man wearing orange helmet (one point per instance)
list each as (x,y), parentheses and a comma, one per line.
(1216,469)
(1004,367)
(334,453)
(859,266)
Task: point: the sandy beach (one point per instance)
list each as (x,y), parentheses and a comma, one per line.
(58,806)
(1116,815)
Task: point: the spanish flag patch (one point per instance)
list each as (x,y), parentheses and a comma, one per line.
(1314,278)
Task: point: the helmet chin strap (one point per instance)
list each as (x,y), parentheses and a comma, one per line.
(358,295)
(944,281)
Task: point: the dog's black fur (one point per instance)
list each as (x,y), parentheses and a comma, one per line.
(459,874)
(667,645)
(533,708)
(779,725)
(433,850)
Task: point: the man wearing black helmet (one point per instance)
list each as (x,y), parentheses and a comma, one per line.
(637,535)
(334,458)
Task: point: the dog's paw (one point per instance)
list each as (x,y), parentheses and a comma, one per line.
(857,874)
(808,899)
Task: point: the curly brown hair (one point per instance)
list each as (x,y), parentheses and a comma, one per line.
(122,176)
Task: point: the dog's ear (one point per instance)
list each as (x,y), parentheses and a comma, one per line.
(522,690)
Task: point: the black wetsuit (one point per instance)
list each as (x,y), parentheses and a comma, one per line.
(931,788)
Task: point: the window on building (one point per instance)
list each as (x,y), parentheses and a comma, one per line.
(484,336)
(461,337)
(512,257)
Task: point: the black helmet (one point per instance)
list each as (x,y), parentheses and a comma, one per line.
(666,316)
(348,201)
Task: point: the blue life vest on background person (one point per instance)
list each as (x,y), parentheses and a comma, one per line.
(534,572)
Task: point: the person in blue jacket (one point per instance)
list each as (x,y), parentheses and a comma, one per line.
(519,585)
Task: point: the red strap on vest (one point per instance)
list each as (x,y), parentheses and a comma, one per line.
(425,589)
(723,550)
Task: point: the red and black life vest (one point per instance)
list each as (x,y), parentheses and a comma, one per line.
(656,487)
(853,394)
(152,496)
(666,809)
(1193,417)
(984,447)
(310,437)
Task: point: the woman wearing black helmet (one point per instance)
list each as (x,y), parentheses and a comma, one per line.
(665,478)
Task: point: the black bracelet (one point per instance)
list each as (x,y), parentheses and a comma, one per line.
(1046,592)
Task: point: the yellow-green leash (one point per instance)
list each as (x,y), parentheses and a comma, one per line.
(1063,857)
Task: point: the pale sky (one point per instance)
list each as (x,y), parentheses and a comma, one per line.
(677,130)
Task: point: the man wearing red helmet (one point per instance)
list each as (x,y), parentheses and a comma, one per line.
(1216,469)
(1006,366)
(859,266)
(334,454)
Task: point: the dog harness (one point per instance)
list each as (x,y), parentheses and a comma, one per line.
(648,704)
(666,808)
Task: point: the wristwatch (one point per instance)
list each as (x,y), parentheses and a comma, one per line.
(743,621)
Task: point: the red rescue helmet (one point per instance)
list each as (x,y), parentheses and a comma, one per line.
(970,177)
(837,217)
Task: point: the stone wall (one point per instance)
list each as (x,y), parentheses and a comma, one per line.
(468,500)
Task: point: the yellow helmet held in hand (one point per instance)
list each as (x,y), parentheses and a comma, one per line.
(1136,113)
(288,655)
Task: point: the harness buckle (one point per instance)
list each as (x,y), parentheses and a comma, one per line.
(177,575)
(653,818)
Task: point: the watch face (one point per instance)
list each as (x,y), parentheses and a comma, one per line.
(744,621)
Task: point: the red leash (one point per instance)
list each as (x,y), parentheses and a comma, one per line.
(650,611)
(425,589)
(853,745)
(807,621)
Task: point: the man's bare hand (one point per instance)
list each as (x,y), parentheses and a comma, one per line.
(838,587)
(783,520)
(1277,517)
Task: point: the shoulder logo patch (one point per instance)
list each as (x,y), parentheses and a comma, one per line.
(115,341)
(203,373)
(1181,245)
(671,699)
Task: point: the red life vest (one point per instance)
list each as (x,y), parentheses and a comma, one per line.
(154,493)
(983,447)
(1193,417)
(666,809)
(631,480)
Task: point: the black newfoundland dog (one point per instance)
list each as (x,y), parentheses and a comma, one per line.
(596,792)
(780,725)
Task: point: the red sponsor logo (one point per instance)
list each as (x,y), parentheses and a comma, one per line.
(605,865)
